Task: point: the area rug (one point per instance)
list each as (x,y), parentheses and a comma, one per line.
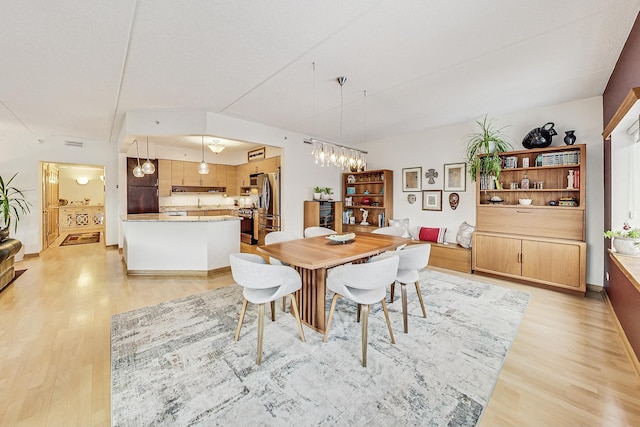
(80,239)
(177,364)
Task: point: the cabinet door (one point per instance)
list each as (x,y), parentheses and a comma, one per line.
(242,175)
(177,172)
(497,254)
(552,262)
(191,175)
(232,183)
(164,178)
(221,175)
(211,179)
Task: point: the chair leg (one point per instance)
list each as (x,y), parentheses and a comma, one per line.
(358,313)
(260,331)
(273,311)
(333,307)
(244,308)
(405,319)
(284,304)
(393,291)
(365,321)
(294,307)
(424,312)
(386,316)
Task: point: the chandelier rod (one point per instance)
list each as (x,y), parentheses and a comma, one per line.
(324,141)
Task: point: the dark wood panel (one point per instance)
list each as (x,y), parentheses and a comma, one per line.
(142,200)
(625,299)
(145,181)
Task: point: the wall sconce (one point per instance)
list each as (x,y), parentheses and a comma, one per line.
(82,181)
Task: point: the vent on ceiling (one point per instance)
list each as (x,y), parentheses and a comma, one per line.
(76,144)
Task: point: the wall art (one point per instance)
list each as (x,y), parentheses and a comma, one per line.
(455,177)
(432,200)
(411,179)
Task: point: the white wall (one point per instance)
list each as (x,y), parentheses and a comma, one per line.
(72,191)
(22,153)
(436,147)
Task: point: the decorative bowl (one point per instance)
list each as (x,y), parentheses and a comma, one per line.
(341,237)
(524,201)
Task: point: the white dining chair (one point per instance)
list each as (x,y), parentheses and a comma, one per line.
(277,237)
(318,231)
(412,259)
(364,284)
(264,283)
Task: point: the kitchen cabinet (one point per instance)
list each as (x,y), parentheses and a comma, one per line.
(323,214)
(191,176)
(142,193)
(177,172)
(543,242)
(371,191)
(554,262)
(164,178)
(210,179)
(232,185)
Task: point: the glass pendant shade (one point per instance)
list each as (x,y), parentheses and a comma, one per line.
(137,171)
(203,167)
(148,167)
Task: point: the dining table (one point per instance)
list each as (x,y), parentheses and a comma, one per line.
(313,256)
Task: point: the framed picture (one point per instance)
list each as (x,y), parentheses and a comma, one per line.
(411,179)
(455,177)
(257,154)
(432,200)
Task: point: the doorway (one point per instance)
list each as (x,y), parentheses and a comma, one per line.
(73,199)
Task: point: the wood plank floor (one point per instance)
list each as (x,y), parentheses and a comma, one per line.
(567,365)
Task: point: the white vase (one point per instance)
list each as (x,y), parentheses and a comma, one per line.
(317,196)
(626,245)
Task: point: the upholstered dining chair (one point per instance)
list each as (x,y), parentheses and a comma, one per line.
(318,231)
(412,259)
(264,283)
(277,237)
(364,284)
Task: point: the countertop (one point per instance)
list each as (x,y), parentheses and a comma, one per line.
(197,208)
(160,217)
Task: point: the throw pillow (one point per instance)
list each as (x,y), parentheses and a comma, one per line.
(402,223)
(463,238)
(430,234)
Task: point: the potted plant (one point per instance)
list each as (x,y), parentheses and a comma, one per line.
(12,204)
(328,194)
(317,193)
(625,241)
(489,142)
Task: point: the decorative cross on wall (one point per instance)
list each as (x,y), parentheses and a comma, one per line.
(431,175)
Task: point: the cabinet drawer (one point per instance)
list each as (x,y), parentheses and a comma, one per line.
(561,223)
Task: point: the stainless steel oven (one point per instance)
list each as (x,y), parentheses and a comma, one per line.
(247,229)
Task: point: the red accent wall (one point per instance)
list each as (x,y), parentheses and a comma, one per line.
(626,74)
(623,295)
(625,300)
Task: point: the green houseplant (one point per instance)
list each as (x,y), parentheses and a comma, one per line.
(625,241)
(317,193)
(488,142)
(12,205)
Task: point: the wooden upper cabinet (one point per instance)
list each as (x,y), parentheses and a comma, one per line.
(232,186)
(177,172)
(210,179)
(221,175)
(190,174)
(164,178)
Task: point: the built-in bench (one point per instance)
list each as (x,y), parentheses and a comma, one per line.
(8,250)
(449,255)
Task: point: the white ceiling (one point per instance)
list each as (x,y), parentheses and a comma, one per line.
(74,68)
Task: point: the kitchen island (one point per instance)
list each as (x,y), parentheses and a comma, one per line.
(160,244)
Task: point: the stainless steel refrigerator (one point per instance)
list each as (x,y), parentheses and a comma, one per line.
(268,204)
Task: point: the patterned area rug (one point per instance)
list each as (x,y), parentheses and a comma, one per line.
(177,364)
(80,239)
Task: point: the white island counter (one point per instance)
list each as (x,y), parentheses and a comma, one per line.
(192,245)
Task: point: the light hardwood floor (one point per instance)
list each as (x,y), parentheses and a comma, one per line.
(566,367)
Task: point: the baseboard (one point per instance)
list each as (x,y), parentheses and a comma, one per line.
(33,255)
(595,288)
(627,345)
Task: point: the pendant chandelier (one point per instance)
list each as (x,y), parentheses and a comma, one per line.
(216,147)
(203,167)
(332,154)
(137,171)
(148,167)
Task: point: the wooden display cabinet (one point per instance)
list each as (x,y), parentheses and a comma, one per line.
(323,213)
(369,190)
(543,242)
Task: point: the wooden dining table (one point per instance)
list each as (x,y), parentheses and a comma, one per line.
(312,256)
